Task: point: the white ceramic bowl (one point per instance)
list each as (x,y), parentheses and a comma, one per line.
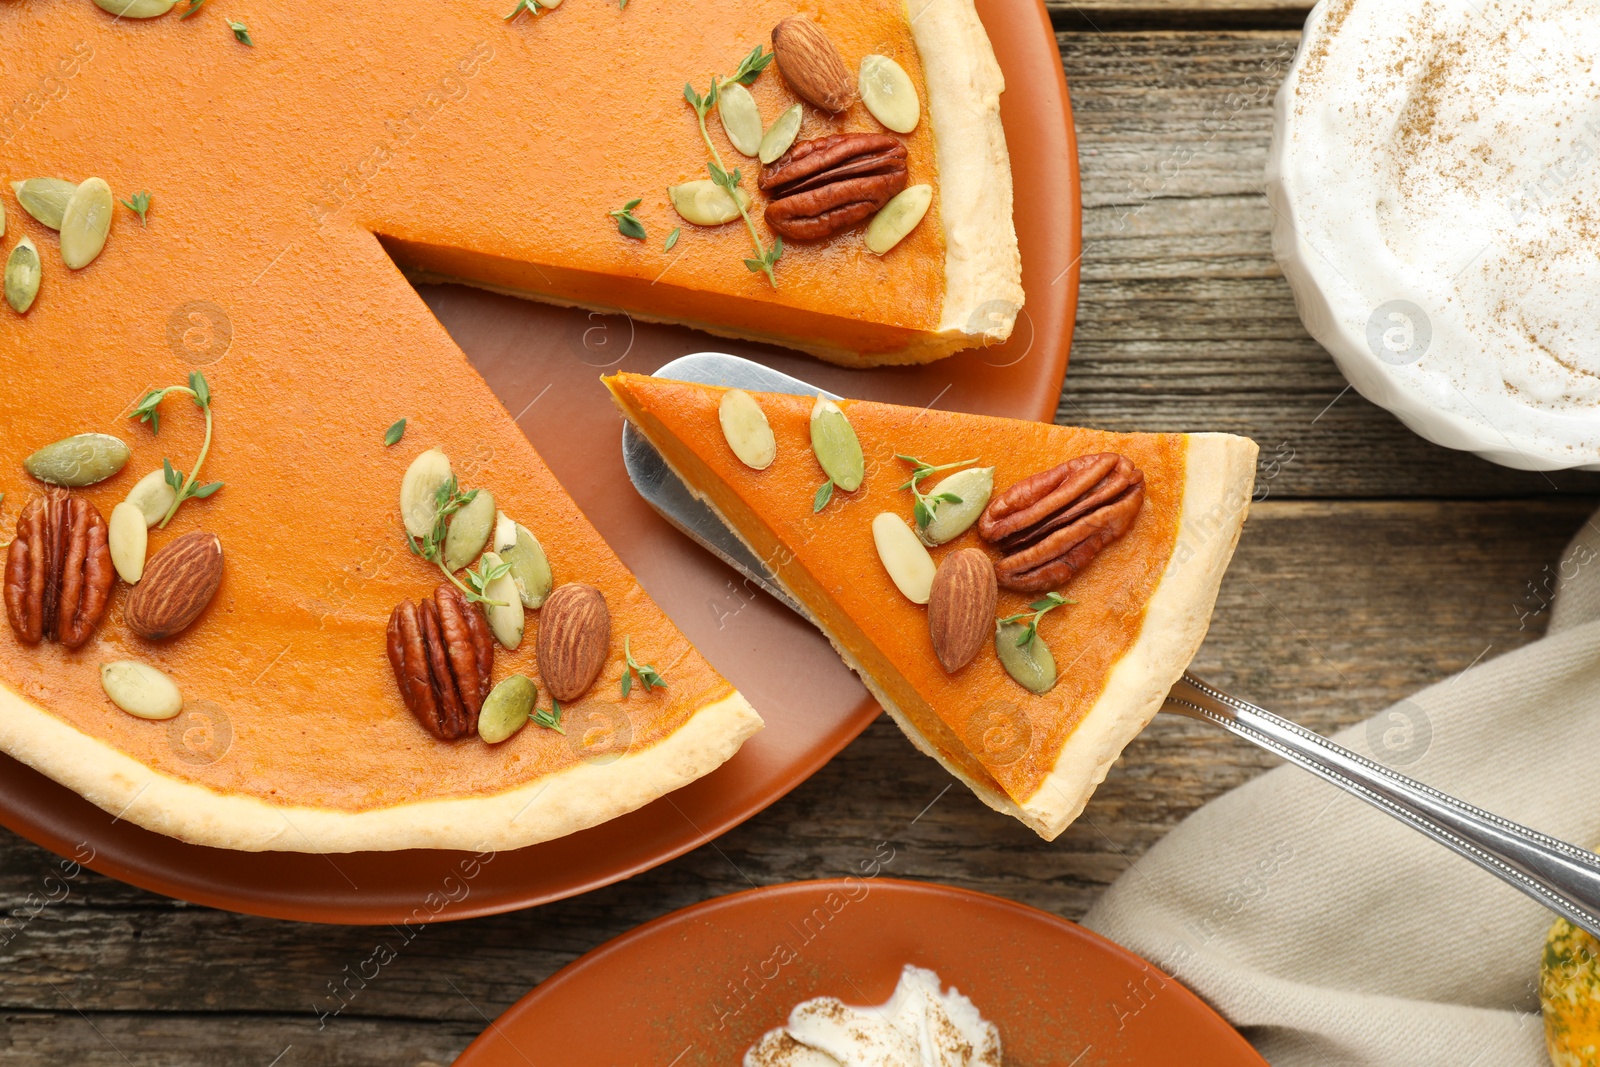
(1397,329)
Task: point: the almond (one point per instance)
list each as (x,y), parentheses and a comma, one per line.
(812,65)
(574,639)
(961,607)
(179,581)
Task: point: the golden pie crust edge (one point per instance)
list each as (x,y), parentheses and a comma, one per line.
(982,264)
(553,806)
(1219,479)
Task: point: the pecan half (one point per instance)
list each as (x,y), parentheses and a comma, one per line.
(822,186)
(442,654)
(1050,525)
(58,571)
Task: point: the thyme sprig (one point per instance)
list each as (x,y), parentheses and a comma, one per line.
(479,578)
(149,410)
(628,223)
(532,7)
(753,64)
(550,720)
(1036,611)
(448,500)
(139,204)
(750,66)
(648,676)
(927,505)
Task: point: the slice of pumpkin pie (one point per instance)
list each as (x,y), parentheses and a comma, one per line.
(1018,596)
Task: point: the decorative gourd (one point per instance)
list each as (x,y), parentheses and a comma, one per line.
(1569,994)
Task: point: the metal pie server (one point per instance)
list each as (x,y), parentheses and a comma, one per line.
(1562,877)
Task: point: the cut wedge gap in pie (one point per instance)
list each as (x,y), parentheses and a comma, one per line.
(1132,532)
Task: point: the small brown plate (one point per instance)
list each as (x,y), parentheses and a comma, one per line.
(544,363)
(699,986)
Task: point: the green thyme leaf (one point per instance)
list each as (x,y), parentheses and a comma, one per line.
(392,435)
(824,494)
(752,65)
(627,224)
(139,203)
(241,33)
(672,238)
(648,677)
(201,390)
(194,5)
(550,720)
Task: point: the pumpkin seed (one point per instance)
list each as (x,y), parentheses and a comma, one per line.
(530,570)
(1030,666)
(419,491)
(78,461)
(898,218)
(745,426)
(23,272)
(887,91)
(505,616)
(833,439)
(705,203)
(44,198)
(741,119)
(128,537)
(136,9)
(85,223)
(781,134)
(139,689)
(152,495)
(903,556)
(507,708)
(951,520)
(469,531)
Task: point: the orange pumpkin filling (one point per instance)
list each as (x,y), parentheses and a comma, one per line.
(997,733)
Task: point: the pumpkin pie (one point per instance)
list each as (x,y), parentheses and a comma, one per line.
(282,177)
(1111,545)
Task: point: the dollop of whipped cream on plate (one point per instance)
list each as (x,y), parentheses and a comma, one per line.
(919,1026)
(1435,176)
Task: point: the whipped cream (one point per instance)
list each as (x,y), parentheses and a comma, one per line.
(1435,175)
(919,1026)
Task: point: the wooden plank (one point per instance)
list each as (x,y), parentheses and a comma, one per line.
(1307,624)
(1124,16)
(205,1040)
(1185,321)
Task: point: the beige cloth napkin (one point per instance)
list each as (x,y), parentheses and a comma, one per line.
(1332,935)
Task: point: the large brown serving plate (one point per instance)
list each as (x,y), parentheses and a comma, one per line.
(544,363)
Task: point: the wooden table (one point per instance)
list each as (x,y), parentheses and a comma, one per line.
(1376,564)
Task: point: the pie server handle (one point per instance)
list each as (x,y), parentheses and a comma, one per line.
(1562,877)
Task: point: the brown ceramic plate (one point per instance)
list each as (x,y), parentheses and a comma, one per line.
(545,365)
(697,987)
